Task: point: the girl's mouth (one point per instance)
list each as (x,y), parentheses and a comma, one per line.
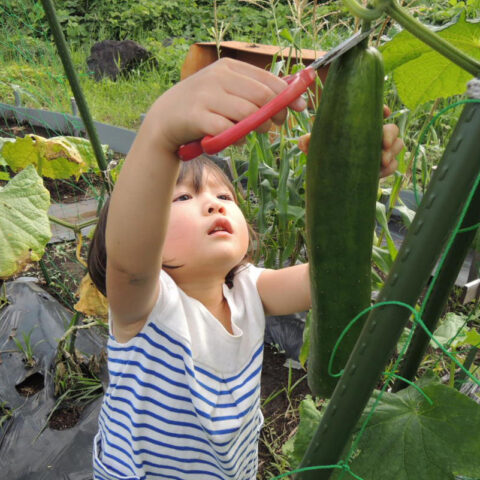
(220,225)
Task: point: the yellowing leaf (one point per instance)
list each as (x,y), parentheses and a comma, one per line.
(472,338)
(91,302)
(53,158)
(84,148)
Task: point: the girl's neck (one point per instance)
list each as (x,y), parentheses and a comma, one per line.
(210,294)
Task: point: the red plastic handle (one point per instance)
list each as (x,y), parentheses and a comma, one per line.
(298,84)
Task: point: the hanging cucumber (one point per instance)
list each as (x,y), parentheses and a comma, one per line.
(342,184)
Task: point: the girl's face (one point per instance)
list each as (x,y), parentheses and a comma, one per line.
(207,232)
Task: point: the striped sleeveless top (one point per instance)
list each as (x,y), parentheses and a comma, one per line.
(183,401)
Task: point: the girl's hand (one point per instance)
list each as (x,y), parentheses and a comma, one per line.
(392,145)
(212,100)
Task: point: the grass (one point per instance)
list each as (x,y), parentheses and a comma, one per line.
(119,103)
(26,348)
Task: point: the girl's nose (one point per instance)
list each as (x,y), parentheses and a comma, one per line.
(215,207)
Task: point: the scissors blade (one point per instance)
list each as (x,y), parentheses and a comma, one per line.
(340,49)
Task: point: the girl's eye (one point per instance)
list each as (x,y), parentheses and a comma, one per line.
(225,196)
(182,198)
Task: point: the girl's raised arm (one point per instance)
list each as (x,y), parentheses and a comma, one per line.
(204,104)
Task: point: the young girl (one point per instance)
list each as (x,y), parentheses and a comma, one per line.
(187,310)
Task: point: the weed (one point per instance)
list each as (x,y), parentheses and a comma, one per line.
(26,348)
(5,414)
(4,301)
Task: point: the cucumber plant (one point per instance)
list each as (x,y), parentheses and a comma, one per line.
(451,188)
(450,192)
(442,204)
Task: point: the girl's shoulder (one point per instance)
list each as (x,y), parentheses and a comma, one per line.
(248,273)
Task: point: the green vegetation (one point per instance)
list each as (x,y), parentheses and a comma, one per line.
(270,171)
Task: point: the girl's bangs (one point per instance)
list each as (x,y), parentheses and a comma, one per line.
(193,170)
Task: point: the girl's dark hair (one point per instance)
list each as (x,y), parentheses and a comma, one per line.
(97,252)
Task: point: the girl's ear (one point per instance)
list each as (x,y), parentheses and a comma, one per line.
(304,142)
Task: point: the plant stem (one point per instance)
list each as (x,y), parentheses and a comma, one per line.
(466,364)
(437,301)
(362,12)
(432,39)
(74,83)
(43,267)
(72,226)
(73,336)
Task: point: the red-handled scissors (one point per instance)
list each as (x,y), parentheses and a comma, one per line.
(297,85)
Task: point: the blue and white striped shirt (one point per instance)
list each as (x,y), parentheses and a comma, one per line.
(184,396)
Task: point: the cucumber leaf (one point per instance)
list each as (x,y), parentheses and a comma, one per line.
(53,158)
(408,438)
(24,225)
(3,141)
(91,302)
(85,149)
(420,73)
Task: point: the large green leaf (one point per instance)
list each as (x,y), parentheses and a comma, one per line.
(53,158)
(407,438)
(420,73)
(24,225)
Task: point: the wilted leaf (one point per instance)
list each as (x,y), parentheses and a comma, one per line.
(449,327)
(3,141)
(420,73)
(91,302)
(53,158)
(84,147)
(24,224)
(407,438)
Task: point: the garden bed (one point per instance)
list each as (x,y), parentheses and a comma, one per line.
(282,389)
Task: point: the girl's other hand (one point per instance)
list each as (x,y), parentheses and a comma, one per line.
(212,100)
(392,145)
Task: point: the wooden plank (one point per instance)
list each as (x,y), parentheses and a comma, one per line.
(203,54)
(471,291)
